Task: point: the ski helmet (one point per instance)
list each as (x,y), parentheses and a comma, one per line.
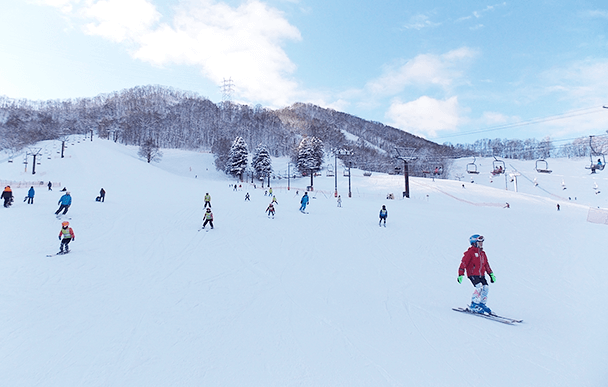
(65,224)
(208,209)
(475,238)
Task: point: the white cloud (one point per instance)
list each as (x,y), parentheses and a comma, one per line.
(425,116)
(419,22)
(596,14)
(243,43)
(120,20)
(423,71)
(584,81)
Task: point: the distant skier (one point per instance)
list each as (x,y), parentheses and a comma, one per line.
(208,217)
(207,201)
(247,199)
(304,202)
(270,210)
(383,215)
(270,191)
(274,199)
(64,203)
(7,195)
(339,201)
(50,185)
(30,195)
(66,235)
(102,195)
(475,263)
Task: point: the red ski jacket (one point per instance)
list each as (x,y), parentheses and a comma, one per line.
(475,262)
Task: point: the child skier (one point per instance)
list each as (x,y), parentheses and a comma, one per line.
(208,218)
(304,202)
(270,210)
(383,215)
(207,201)
(66,235)
(475,263)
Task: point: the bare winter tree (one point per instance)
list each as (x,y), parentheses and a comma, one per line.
(150,151)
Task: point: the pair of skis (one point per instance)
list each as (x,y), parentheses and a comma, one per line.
(59,253)
(493,317)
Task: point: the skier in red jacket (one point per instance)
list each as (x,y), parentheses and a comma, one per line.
(476,264)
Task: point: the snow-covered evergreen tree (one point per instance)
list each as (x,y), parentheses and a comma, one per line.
(261,162)
(310,156)
(237,160)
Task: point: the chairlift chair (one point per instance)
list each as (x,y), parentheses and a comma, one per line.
(542,166)
(601,163)
(472,167)
(498,166)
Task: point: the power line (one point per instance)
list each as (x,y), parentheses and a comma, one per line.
(574,113)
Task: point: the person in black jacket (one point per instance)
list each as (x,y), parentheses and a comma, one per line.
(7,195)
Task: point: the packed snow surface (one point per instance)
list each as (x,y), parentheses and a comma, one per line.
(326,298)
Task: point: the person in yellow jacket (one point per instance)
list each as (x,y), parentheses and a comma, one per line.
(66,235)
(208,217)
(207,200)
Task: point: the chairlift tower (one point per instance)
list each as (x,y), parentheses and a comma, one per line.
(406,155)
(35,153)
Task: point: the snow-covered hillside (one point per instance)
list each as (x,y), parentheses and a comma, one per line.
(326,298)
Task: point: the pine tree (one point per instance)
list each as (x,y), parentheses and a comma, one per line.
(310,156)
(237,160)
(261,162)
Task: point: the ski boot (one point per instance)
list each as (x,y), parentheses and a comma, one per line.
(475,307)
(485,308)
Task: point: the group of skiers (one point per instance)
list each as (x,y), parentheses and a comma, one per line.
(66,234)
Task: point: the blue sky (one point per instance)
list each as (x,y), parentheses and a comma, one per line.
(448,71)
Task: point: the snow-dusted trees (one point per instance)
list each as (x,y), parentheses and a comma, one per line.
(310,156)
(150,151)
(261,162)
(237,158)
(221,152)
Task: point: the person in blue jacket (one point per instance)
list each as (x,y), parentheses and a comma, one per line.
(30,195)
(64,203)
(383,215)
(304,202)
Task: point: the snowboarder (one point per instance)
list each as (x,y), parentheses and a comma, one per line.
(207,201)
(475,263)
(66,235)
(30,195)
(339,201)
(247,199)
(7,195)
(383,215)
(208,217)
(304,202)
(102,195)
(270,210)
(64,203)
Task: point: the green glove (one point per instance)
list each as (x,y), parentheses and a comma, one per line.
(492,278)
(460,277)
